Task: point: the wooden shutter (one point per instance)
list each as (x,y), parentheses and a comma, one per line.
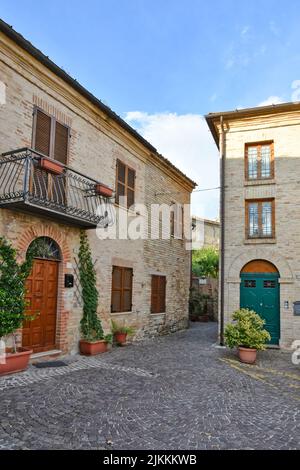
(121,299)
(125,183)
(116,296)
(42,133)
(127,290)
(61,143)
(158,294)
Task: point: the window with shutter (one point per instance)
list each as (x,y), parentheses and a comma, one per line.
(42,133)
(176,221)
(121,294)
(158,294)
(125,184)
(61,143)
(50,137)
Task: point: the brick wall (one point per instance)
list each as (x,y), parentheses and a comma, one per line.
(95,145)
(284,250)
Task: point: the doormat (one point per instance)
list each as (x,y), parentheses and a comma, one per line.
(41,365)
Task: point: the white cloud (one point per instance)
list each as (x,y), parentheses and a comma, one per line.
(187,142)
(271,100)
(245,30)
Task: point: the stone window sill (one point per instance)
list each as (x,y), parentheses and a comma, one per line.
(259,182)
(115,314)
(157,314)
(259,241)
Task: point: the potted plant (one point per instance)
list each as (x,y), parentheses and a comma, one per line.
(93,339)
(120,332)
(12,307)
(247,334)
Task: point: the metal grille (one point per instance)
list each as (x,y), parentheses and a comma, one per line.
(249,283)
(70,193)
(270,284)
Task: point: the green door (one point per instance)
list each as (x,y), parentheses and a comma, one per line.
(260,292)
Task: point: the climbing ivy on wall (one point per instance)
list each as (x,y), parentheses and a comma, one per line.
(91,327)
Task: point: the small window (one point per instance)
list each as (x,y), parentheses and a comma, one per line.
(121,297)
(177,221)
(259,161)
(158,294)
(269,284)
(125,184)
(260,217)
(250,283)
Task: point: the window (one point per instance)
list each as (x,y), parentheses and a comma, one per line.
(158,294)
(50,136)
(249,283)
(260,218)
(121,297)
(125,185)
(270,284)
(259,161)
(177,221)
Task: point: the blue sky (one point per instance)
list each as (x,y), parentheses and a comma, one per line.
(162,64)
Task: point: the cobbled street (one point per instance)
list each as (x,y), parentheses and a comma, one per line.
(173,392)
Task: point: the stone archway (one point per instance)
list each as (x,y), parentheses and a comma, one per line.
(62,313)
(270,255)
(260,292)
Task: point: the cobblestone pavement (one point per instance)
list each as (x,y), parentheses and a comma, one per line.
(175,392)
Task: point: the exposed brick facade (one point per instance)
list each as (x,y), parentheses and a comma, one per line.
(95,145)
(283,250)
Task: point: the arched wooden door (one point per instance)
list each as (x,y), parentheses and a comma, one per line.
(42,288)
(259,291)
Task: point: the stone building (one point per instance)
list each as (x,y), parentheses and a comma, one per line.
(261,199)
(205,232)
(63,151)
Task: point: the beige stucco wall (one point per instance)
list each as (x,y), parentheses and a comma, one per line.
(284,249)
(95,145)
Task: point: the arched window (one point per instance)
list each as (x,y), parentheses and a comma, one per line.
(44,247)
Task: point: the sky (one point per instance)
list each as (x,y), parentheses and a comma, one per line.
(163,64)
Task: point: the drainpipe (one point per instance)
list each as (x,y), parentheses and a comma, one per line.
(222,234)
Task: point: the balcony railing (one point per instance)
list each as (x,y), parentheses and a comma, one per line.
(65,195)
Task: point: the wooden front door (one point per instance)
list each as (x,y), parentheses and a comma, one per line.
(40,334)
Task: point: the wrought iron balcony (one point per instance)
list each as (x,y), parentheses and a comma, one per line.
(30,182)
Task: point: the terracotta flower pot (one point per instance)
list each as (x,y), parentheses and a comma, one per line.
(88,348)
(15,362)
(120,338)
(103,190)
(247,355)
(51,166)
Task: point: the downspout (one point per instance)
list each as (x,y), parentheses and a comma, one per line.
(222,234)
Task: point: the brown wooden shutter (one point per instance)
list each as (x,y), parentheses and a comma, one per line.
(116,293)
(154,294)
(162,293)
(127,289)
(125,183)
(121,297)
(61,143)
(42,133)
(158,294)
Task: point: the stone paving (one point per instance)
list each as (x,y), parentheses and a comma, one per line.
(173,392)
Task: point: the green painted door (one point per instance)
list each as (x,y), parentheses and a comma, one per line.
(260,292)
